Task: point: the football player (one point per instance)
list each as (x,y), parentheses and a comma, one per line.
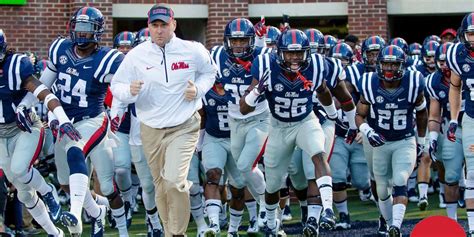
(393,93)
(81,69)
(441,149)
(22,135)
(459,60)
(249,131)
(288,80)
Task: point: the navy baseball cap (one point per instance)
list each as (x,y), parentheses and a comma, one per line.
(160,12)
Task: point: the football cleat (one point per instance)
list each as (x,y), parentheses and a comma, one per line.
(394,231)
(52,201)
(344,222)
(328,219)
(311,228)
(423,203)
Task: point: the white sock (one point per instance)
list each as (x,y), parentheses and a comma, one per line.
(78,186)
(451,210)
(213,208)
(325,189)
(314,210)
(119,216)
(386,209)
(423,190)
(271,214)
(197,210)
(252,209)
(91,207)
(36,182)
(398,214)
(127,195)
(40,214)
(342,207)
(470,220)
(154,219)
(287,202)
(101,200)
(198,215)
(303,203)
(235,218)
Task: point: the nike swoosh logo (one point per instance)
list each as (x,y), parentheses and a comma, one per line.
(86,67)
(247,76)
(148,68)
(400,100)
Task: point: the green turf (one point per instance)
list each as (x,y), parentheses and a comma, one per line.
(358,210)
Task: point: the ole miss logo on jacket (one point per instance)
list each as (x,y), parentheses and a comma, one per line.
(179,65)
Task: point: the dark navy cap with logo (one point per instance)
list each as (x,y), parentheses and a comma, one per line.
(160,12)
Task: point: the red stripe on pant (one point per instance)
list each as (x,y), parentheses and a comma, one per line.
(38,148)
(255,162)
(332,147)
(96,138)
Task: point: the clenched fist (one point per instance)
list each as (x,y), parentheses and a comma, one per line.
(135,87)
(190,92)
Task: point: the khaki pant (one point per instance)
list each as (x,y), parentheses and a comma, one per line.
(169,152)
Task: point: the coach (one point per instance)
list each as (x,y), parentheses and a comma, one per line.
(166,78)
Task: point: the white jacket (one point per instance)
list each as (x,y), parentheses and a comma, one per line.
(165,72)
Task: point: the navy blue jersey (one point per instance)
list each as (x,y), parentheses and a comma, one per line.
(80,81)
(393,109)
(288,100)
(15,69)
(232,75)
(217,117)
(438,89)
(462,63)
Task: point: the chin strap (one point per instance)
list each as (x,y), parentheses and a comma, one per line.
(307,84)
(245,64)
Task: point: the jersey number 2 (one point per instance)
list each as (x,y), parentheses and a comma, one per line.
(79,89)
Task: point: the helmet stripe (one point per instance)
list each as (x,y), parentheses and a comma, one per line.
(84,10)
(430,45)
(238,24)
(293,37)
(395,42)
(472,18)
(338,48)
(125,35)
(312,35)
(147,33)
(390,50)
(374,40)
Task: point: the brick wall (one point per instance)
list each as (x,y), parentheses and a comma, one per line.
(293,1)
(368,17)
(221,12)
(35,25)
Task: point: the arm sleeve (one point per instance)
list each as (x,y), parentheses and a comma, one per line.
(207,70)
(48,77)
(120,84)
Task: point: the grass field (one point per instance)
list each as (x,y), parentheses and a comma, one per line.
(363,216)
